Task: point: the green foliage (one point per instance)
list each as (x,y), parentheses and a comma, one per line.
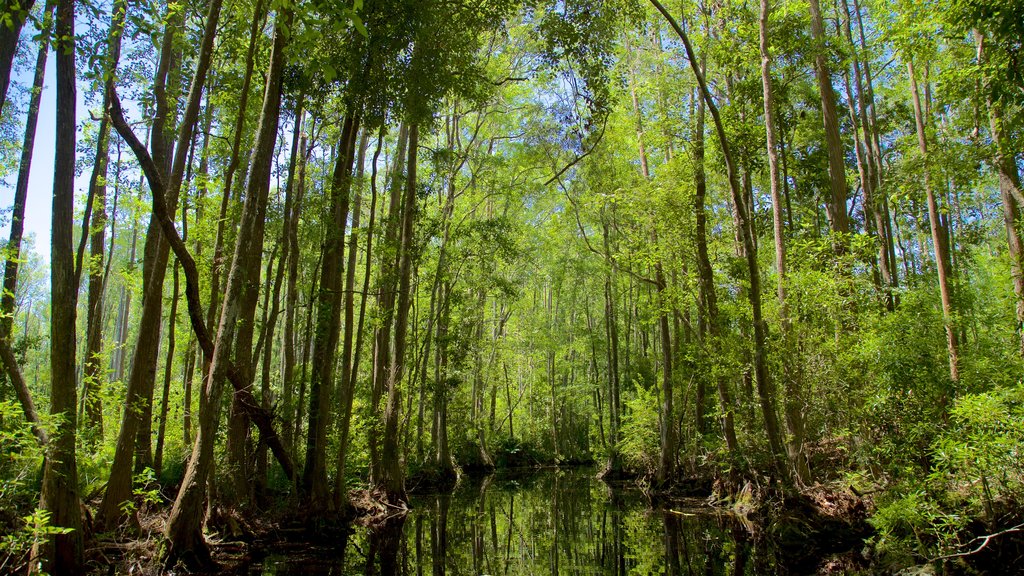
(16,546)
(640,438)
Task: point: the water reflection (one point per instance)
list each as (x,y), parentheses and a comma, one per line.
(552,522)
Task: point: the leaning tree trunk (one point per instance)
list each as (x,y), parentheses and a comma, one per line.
(143,372)
(184,533)
(61,554)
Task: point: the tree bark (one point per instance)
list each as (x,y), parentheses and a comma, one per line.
(143,372)
(328,322)
(61,554)
(939,239)
(794,404)
(13,249)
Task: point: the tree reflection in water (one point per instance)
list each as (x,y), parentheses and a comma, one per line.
(538,522)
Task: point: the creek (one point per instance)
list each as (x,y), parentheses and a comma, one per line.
(537,522)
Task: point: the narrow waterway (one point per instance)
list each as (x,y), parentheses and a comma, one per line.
(538,522)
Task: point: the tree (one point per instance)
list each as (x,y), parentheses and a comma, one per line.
(62,552)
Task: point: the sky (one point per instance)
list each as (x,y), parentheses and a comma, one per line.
(40,187)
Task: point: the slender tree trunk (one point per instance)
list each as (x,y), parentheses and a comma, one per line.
(13,249)
(346,421)
(158,457)
(794,404)
(392,477)
(328,323)
(93,376)
(184,532)
(939,240)
(346,388)
(62,554)
(217,268)
(386,303)
(292,295)
(134,439)
(830,118)
(765,389)
(707,298)
(669,440)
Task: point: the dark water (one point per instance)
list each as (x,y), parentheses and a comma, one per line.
(547,522)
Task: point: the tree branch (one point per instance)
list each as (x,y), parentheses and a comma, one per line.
(260,417)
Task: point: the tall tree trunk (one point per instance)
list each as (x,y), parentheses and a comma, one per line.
(61,554)
(939,239)
(143,371)
(765,388)
(184,533)
(292,296)
(93,375)
(13,249)
(328,322)
(392,478)
(794,404)
(666,465)
(872,180)
(158,457)
(710,320)
(142,376)
(217,268)
(830,119)
(386,302)
(271,322)
(340,495)
(346,387)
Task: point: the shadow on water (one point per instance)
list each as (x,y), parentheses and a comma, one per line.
(547,522)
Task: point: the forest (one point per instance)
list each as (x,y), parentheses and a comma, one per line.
(308,258)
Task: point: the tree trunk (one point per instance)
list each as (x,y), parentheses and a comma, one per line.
(10,33)
(346,387)
(707,299)
(184,533)
(392,478)
(386,303)
(328,323)
(794,404)
(292,295)
(13,249)
(340,496)
(833,142)
(143,371)
(93,375)
(939,240)
(765,389)
(61,554)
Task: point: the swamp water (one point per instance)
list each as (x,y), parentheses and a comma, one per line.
(537,522)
